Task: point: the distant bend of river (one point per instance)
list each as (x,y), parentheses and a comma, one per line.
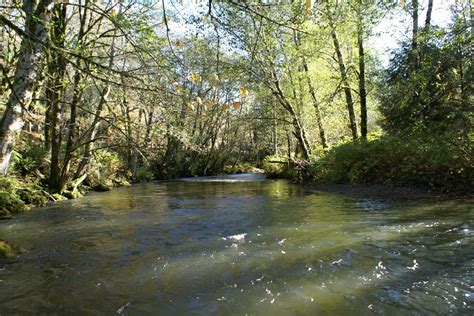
(240,245)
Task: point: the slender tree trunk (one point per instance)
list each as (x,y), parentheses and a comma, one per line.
(30,56)
(55,89)
(91,134)
(319,120)
(275,135)
(312,92)
(346,84)
(414,44)
(87,156)
(298,127)
(76,97)
(362,89)
(428,15)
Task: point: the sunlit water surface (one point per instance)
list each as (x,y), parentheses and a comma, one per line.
(238,246)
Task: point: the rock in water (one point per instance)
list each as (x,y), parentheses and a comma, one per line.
(101,188)
(6,249)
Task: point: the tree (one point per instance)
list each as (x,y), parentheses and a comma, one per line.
(34,38)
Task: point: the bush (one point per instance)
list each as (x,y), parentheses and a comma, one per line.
(11,203)
(278,168)
(34,197)
(435,162)
(144,173)
(8,184)
(241,167)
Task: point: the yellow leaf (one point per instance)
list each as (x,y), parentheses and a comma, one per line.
(402,2)
(236,105)
(113,12)
(244,91)
(225,107)
(199,100)
(195,77)
(308,5)
(211,102)
(191,105)
(179,88)
(214,78)
(179,44)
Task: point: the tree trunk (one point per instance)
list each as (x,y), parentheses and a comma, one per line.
(414,44)
(275,135)
(76,97)
(346,85)
(428,15)
(54,93)
(362,89)
(30,55)
(298,127)
(319,120)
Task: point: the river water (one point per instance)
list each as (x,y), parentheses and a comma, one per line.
(240,245)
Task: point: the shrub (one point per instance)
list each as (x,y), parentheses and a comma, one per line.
(11,203)
(435,162)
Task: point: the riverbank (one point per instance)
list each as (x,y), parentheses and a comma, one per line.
(439,165)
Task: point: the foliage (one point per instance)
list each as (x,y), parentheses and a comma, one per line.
(11,202)
(107,166)
(427,90)
(436,162)
(276,167)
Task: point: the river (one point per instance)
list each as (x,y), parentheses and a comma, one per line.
(240,245)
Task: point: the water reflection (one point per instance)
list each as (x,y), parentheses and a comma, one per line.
(261,247)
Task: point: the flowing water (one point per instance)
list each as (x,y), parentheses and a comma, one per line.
(240,245)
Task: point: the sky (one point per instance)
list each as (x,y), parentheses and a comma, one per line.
(387,34)
(397,27)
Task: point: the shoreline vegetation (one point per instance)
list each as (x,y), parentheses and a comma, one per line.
(423,166)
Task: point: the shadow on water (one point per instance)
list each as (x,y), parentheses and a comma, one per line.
(255,247)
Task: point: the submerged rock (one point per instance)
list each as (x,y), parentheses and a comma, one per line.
(11,203)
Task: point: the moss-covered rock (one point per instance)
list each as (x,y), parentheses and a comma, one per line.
(59,197)
(101,187)
(121,182)
(74,194)
(5,214)
(34,197)
(6,249)
(11,202)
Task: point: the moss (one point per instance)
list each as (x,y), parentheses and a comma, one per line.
(59,197)
(8,184)
(74,194)
(11,202)
(101,187)
(5,214)
(6,249)
(121,182)
(34,197)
